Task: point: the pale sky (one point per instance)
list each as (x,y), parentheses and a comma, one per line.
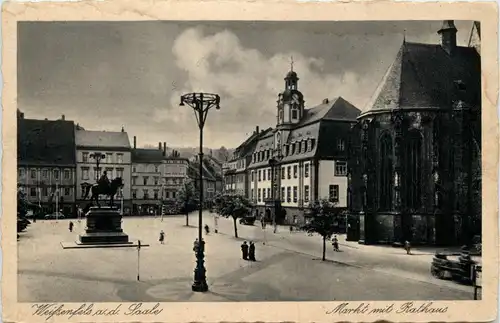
(105,75)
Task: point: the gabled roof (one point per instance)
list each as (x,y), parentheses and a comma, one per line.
(46,142)
(102,139)
(335,109)
(193,171)
(426,76)
(142,155)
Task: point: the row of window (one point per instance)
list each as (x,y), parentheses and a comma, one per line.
(47,191)
(155,196)
(56,173)
(286,171)
(110,171)
(290,194)
(108,158)
(156,181)
(288,150)
(153,168)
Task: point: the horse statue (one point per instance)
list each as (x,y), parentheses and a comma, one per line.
(104,189)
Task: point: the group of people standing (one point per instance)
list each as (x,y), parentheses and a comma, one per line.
(248,251)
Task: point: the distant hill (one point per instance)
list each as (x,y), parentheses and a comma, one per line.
(222,154)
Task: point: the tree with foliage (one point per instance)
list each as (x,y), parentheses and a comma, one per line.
(235,206)
(187,199)
(323,222)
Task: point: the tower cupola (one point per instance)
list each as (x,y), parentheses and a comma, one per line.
(448,34)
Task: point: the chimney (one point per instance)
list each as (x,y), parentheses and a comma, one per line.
(123,129)
(135,142)
(159,145)
(325,101)
(164,148)
(21,115)
(448,34)
(63,117)
(257,129)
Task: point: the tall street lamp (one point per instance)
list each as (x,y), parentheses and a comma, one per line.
(97,157)
(201,103)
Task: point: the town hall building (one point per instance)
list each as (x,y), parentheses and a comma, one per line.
(302,159)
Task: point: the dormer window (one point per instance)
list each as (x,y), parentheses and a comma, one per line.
(340,144)
(299,150)
(306,144)
(313,141)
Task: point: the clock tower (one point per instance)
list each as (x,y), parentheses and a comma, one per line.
(290,107)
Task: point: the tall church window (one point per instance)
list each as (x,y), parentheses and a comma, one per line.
(386,167)
(413,165)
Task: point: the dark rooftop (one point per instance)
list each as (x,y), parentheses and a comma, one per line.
(142,155)
(426,76)
(46,142)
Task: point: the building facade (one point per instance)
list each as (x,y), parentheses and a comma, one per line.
(115,146)
(175,175)
(303,159)
(147,182)
(415,161)
(46,163)
(208,178)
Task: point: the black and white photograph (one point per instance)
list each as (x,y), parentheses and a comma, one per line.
(194,161)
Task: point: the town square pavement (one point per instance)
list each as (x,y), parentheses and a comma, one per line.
(288,267)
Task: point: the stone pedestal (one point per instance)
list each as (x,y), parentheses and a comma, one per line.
(104,227)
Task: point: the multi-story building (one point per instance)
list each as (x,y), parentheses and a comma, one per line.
(304,158)
(209,180)
(46,163)
(115,146)
(416,150)
(175,175)
(236,177)
(215,168)
(147,181)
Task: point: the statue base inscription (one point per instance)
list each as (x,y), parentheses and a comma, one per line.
(104,226)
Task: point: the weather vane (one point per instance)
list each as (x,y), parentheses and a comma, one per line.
(291,63)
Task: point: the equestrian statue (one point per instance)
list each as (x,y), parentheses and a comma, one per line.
(104,187)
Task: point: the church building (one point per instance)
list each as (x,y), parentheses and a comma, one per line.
(302,159)
(415,153)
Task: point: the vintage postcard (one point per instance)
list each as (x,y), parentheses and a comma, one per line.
(202,161)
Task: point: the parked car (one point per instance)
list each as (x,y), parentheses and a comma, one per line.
(248,220)
(55,215)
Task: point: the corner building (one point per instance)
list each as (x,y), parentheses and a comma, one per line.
(415,172)
(304,158)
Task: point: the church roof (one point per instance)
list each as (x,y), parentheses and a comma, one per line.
(426,76)
(102,139)
(46,142)
(143,155)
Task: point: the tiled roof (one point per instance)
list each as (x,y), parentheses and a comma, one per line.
(335,109)
(310,127)
(102,139)
(426,76)
(46,142)
(140,155)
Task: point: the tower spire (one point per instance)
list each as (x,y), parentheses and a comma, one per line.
(291,63)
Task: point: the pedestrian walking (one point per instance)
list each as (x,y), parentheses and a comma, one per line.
(335,243)
(162,237)
(251,251)
(408,247)
(71,226)
(207,229)
(244,250)
(196,244)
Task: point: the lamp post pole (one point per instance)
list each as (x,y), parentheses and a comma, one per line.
(97,157)
(273,162)
(201,104)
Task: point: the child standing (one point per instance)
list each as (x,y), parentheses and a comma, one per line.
(162,237)
(335,243)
